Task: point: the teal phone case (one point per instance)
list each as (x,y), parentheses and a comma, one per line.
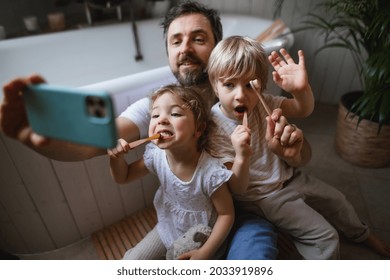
(71,114)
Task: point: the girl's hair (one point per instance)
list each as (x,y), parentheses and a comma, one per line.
(238,57)
(190,7)
(192,96)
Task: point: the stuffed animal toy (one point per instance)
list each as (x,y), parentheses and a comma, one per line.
(194,238)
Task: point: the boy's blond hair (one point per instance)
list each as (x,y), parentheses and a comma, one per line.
(238,57)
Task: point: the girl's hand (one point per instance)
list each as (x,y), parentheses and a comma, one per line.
(121,148)
(193,255)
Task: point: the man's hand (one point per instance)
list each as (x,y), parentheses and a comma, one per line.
(13,116)
(284,139)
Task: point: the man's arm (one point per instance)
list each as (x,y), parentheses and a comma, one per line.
(67,151)
(14,123)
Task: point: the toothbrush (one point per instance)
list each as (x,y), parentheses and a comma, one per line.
(267,109)
(136,143)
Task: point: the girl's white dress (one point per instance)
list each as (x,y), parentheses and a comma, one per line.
(181,205)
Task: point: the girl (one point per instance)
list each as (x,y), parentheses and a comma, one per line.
(193,184)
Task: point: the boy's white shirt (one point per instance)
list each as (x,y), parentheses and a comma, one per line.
(267,171)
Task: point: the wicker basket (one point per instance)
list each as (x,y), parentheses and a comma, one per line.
(361,144)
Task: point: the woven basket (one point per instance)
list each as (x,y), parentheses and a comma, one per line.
(361,144)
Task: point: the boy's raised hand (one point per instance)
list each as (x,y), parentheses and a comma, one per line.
(288,75)
(241,140)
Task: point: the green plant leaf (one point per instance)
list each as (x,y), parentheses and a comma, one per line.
(363,28)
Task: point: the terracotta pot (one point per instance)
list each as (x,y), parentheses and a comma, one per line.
(360,143)
(56,21)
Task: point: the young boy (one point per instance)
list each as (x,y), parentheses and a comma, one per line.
(264,155)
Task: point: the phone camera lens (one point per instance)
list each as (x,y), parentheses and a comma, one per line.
(96,106)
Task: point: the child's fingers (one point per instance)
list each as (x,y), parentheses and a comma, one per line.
(111,153)
(241,134)
(185,256)
(287,56)
(121,148)
(301,57)
(276,61)
(276,77)
(123,145)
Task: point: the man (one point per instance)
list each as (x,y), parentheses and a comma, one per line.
(191,31)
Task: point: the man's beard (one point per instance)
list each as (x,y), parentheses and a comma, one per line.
(192,77)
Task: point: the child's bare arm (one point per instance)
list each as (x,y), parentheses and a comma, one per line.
(120,170)
(223,203)
(292,78)
(240,138)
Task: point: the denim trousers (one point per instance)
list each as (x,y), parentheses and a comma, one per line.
(252,238)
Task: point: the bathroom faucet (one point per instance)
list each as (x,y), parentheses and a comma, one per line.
(138,54)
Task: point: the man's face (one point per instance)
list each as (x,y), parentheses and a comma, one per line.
(189,44)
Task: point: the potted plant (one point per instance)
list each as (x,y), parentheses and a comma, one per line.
(363,28)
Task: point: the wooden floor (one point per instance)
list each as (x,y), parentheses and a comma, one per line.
(112,242)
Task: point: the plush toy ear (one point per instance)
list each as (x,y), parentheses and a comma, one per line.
(199,237)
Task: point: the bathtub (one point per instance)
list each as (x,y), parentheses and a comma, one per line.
(93,54)
(46,204)
(129,88)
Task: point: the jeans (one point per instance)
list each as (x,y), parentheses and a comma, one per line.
(252,238)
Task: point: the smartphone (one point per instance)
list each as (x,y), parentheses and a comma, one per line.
(75,115)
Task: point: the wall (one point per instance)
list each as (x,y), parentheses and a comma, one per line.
(12,13)
(46,204)
(331,72)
